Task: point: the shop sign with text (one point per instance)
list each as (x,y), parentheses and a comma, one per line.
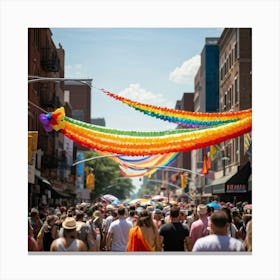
(236,188)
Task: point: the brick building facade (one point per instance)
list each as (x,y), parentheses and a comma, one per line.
(47,61)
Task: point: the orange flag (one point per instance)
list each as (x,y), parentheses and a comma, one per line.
(204,168)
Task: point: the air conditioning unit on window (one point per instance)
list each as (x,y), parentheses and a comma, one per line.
(52,68)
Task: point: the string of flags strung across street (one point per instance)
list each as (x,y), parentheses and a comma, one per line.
(183,118)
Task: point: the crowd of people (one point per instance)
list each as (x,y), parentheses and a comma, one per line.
(134,228)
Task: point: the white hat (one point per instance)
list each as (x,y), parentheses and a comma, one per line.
(69,223)
(110,207)
(184,211)
(202,209)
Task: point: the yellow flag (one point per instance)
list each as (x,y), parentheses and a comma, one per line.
(247,141)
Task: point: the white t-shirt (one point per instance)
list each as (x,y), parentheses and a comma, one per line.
(232,230)
(214,242)
(119,229)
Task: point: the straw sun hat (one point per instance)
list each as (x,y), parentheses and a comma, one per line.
(69,223)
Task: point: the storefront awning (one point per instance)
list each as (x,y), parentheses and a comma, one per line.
(233,183)
(242,176)
(207,189)
(218,185)
(54,192)
(239,182)
(63,194)
(43,180)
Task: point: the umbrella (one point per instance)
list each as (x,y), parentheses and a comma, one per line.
(109,197)
(213,204)
(116,202)
(159,197)
(126,201)
(141,201)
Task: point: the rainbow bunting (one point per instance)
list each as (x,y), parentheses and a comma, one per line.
(143,166)
(183,118)
(134,143)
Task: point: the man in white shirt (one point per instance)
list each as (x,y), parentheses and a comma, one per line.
(117,236)
(218,240)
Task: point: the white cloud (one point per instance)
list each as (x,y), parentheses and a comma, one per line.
(136,93)
(186,72)
(74,71)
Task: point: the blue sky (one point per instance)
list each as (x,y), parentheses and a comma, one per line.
(149,65)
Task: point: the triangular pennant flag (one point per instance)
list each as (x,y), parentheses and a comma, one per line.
(204,168)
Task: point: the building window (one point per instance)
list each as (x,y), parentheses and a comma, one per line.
(230,98)
(227,66)
(236,51)
(236,89)
(225,102)
(236,149)
(228,153)
(221,105)
(36,37)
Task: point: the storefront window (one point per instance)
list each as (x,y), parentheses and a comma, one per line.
(236,146)
(236,89)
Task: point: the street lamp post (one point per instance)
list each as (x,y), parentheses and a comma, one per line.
(95,157)
(36,79)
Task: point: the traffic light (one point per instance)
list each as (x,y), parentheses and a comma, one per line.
(32,145)
(30,152)
(184,180)
(90,181)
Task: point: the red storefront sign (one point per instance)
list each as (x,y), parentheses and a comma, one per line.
(236,188)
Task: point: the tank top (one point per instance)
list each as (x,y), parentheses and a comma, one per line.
(47,240)
(74,246)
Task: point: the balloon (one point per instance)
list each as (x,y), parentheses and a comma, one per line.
(46,122)
(48,127)
(43,119)
(49,115)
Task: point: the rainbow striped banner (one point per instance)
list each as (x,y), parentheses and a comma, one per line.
(134,143)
